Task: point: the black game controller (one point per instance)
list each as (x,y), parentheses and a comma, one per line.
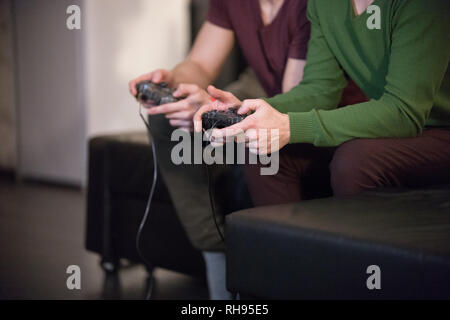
(157,93)
(221,118)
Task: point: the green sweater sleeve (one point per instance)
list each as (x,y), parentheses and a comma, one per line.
(419,58)
(323,81)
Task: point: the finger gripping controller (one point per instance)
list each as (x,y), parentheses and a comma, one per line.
(156,93)
(221,118)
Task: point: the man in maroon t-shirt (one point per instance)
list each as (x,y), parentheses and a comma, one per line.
(273,36)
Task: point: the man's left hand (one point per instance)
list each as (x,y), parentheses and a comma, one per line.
(266,130)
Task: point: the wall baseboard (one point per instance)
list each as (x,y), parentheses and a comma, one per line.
(8,174)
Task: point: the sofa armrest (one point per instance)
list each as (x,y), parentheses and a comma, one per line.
(322,248)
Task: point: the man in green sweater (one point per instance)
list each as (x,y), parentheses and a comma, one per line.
(397,52)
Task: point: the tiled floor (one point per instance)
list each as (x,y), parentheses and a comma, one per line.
(42,233)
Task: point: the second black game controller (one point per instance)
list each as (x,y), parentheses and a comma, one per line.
(155,93)
(221,118)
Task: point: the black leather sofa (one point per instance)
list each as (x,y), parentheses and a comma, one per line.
(321,249)
(120,177)
(314,249)
(119,180)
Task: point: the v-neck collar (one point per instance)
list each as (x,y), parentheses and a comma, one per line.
(353,13)
(261,24)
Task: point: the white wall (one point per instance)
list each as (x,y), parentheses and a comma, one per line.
(8,147)
(74,84)
(124,39)
(51,115)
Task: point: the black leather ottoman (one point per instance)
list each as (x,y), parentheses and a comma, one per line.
(321,249)
(120,177)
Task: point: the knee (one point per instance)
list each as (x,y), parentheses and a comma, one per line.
(355,167)
(160,127)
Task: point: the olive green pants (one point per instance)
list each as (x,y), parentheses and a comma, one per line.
(188,183)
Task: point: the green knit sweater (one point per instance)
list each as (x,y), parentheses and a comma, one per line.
(401,67)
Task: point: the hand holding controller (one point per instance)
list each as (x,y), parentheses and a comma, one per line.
(154,93)
(221,118)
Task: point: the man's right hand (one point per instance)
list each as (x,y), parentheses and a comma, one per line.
(156,76)
(223,100)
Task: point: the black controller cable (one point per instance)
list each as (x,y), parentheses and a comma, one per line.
(211,200)
(147,208)
(211,196)
(150,198)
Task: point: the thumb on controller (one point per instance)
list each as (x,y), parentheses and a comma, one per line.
(220,95)
(250,105)
(185,89)
(161,75)
(157,76)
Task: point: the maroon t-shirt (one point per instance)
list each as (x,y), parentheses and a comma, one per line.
(266,48)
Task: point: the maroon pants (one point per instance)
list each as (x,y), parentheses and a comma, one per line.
(310,172)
